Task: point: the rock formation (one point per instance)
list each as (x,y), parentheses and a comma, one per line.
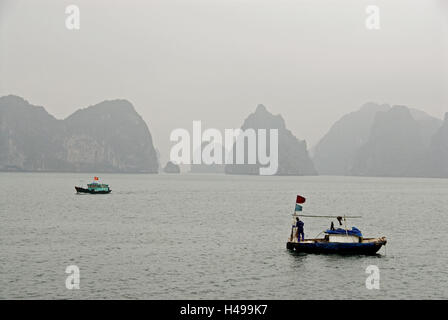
(108,137)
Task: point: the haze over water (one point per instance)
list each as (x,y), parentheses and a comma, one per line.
(216,237)
(178,61)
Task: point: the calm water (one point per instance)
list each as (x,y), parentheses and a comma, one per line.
(216,237)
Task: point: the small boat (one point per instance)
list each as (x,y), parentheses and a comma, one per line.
(341,244)
(336,240)
(94,188)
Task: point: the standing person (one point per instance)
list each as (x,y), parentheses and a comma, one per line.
(299,225)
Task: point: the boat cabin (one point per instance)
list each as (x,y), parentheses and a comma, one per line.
(340,235)
(95,186)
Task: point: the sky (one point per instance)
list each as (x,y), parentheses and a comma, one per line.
(312,61)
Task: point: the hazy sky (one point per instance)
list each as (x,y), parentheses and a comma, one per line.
(214,60)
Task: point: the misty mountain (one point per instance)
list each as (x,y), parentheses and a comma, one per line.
(334,153)
(378,140)
(396,147)
(107,137)
(439,151)
(428,125)
(293,158)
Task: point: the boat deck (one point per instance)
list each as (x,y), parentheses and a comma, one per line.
(322,240)
(366,246)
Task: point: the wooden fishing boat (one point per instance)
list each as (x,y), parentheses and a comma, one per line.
(363,246)
(94,188)
(335,240)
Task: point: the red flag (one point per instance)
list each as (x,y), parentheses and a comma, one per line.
(300,199)
(95,178)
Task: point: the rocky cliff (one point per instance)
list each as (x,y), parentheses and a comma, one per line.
(439,151)
(396,147)
(108,137)
(293,158)
(335,152)
(378,140)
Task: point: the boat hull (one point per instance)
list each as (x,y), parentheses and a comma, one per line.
(362,248)
(84,190)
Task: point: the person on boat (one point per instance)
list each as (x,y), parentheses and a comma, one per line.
(339,220)
(332,226)
(299,225)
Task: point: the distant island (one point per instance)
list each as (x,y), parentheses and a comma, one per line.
(438,150)
(171,167)
(108,137)
(377,140)
(293,157)
(384,141)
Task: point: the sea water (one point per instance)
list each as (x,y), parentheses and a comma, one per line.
(216,237)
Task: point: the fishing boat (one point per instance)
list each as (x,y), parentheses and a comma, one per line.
(94,188)
(335,240)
